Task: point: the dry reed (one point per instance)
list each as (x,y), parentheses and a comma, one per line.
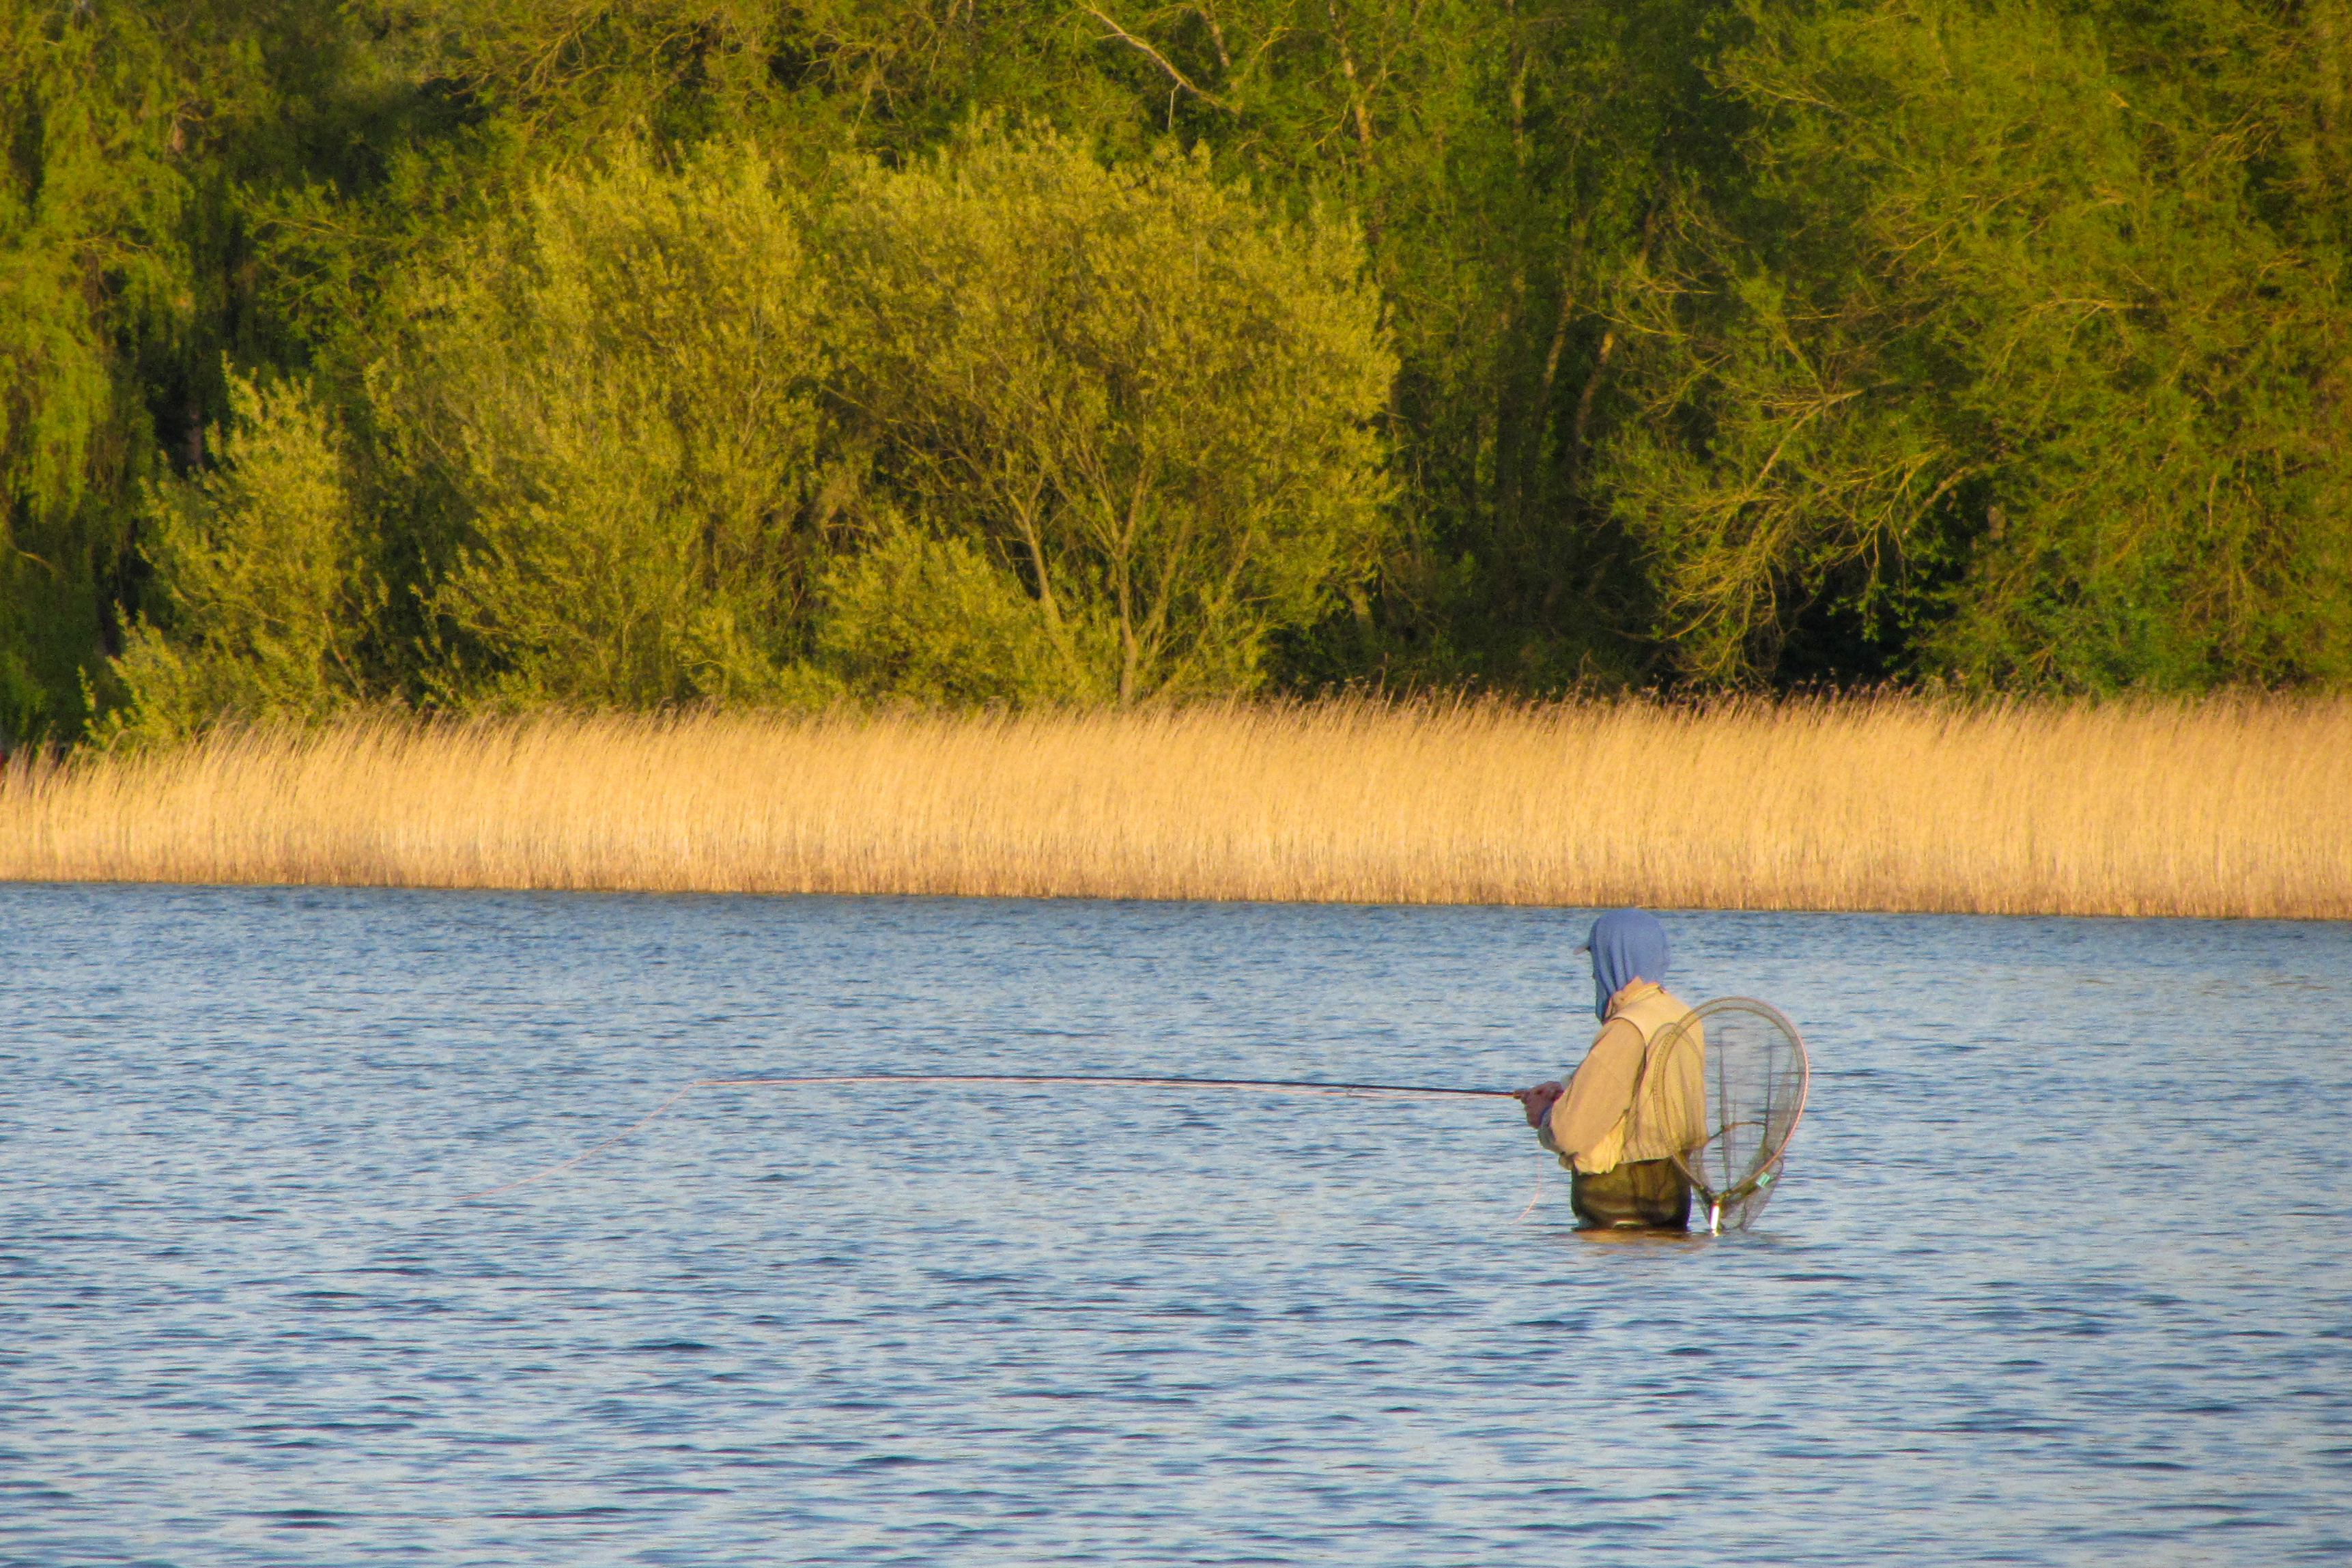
(2234,807)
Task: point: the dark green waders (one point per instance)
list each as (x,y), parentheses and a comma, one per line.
(1646,1195)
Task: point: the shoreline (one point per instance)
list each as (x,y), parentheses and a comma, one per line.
(1663,910)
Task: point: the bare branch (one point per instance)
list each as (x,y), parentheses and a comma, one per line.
(1163,61)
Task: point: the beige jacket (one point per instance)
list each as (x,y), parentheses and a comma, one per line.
(1600,1122)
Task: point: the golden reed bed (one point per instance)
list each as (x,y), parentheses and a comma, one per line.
(2237,807)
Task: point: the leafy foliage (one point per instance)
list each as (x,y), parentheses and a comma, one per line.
(268,599)
(1983,351)
(939,622)
(689,350)
(1125,385)
(90,200)
(613,391)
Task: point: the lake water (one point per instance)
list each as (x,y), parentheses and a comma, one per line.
(2059,1274)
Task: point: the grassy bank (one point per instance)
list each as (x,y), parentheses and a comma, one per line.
(2225,808)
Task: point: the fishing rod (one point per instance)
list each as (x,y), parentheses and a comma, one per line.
(1085,1080)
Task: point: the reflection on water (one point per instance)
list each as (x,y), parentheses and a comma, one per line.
(2058,1275)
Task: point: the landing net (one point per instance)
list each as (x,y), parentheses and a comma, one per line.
(1749,1063)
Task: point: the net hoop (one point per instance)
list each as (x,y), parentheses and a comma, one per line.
(1756,1076)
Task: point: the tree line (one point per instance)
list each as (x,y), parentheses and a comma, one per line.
(627,354)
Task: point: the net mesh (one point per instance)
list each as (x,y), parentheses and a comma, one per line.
(1753,1069)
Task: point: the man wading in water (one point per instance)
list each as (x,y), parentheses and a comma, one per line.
(1615,1127)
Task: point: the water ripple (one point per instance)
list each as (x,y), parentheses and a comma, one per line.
(2060,1275)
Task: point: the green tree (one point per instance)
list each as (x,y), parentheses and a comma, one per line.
(90,269)
(1996,339)
(264,599)
(941,622)
(1506,160)
(1989,360)
(1128,385)
(612,395)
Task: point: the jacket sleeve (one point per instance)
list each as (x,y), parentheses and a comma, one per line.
(1598,1093)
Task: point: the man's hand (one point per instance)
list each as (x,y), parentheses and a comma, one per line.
(1538,1101)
